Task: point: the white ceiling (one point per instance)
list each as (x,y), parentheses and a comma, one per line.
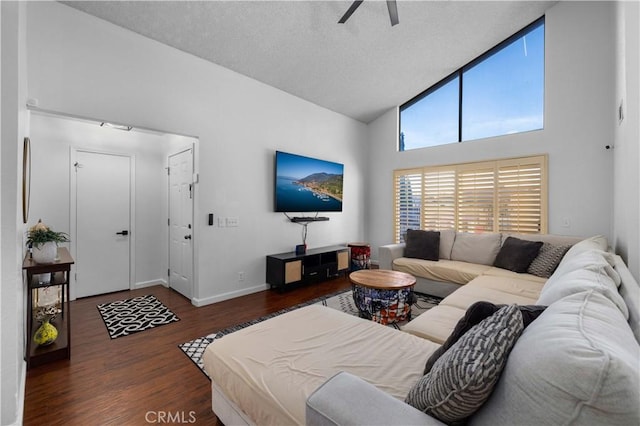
(360,69)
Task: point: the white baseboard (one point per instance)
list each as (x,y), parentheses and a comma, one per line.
(21,394)
(150,283)
(228,295)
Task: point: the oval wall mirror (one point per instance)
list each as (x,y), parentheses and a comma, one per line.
(26,178)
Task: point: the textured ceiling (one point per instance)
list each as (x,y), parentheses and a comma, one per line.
(360,69)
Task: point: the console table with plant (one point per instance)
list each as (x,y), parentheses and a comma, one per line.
(48,268)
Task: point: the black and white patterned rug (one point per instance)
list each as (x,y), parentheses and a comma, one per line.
(342,301)
(130,316)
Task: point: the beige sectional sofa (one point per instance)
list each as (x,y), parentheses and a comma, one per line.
(463,257)
(577,363)
(465,274)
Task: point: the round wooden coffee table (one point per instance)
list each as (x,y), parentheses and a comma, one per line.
(382,295)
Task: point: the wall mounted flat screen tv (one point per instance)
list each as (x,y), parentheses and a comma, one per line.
(305,184)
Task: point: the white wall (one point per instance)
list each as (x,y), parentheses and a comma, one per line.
(83,66)
(53,137)
(626,153)
(13,123)
(579,109)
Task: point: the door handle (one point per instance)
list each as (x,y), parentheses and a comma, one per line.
(125,232)
(187,237)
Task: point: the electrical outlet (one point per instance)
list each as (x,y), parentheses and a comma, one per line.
(232,222)
(240,276)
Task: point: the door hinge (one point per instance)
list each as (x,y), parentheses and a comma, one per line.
(168,221)
(168,272)
(168,171)
(190,191)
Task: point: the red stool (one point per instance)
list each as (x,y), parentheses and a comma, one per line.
(360,256)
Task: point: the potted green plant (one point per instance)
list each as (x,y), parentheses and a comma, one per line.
(44,242)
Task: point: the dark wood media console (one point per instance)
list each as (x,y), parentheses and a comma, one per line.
(291,269)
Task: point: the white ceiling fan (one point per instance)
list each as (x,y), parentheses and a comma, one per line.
(391,6)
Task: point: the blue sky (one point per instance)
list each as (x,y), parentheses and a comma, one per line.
(502,94)
(297,166)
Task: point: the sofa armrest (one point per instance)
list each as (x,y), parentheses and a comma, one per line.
(346,399)
(388,253)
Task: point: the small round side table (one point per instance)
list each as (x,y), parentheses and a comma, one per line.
(382,295)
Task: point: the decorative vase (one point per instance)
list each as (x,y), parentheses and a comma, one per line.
(46,252)
(46,334)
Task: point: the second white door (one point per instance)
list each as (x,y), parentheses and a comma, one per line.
(103,197)
(180,222)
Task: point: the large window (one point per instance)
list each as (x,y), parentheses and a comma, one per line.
(508,195)
(499,93)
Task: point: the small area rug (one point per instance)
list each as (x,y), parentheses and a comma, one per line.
(129,316)
(342,301)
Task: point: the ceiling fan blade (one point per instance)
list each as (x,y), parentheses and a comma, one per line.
(393,12)
(350,11)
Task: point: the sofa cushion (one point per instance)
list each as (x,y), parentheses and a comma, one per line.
(464,377)
(578,281)
(449,271)
(476,248)
(597,242)
(499,272)
(576,364)
(594,260)
(516,255)
(547,260)
(422,244)
(476,313)
(469,294)
(518,286)
(436,324)
(447,237)
(557,240)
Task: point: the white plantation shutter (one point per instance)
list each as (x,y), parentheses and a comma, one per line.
(494,196)
(476,190)
(439,199)
(407,202)
(521,196)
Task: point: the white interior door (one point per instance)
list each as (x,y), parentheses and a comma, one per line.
(180,222)
(103,222)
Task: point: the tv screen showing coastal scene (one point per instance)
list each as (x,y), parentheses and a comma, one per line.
(305,184)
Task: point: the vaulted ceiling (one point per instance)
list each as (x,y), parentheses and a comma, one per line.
(361,68)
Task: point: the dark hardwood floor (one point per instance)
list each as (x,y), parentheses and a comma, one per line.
(133,380)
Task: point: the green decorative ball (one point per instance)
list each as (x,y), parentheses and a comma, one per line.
(46,334)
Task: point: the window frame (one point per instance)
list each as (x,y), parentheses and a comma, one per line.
(459,73)
(452,179)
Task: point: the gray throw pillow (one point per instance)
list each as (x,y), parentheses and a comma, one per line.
(422,244)
(463,378)
(547,260)
(516,255)
(476,313)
